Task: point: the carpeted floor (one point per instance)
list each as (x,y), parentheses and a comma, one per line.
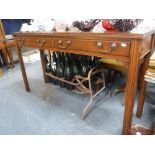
(27,113)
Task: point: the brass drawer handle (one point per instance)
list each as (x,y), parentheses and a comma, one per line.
(41,42)
(100,47)
(64,45)
(20,41)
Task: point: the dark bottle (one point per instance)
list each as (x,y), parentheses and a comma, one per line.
(74,67)
(96,61)
(62,60)
(77,59)
(88,64)
(83,66)
(47,64)
(67,72)
(54,68)
(60,71)
(78,62)
(91,58)
(96,76)
(47,67)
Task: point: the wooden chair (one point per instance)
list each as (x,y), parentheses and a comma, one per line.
(1,71)
(118,67)
(3,50)
(9,43)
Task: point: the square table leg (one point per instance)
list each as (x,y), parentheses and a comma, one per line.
(131,86)
(43,65)
(143,83)
(19,53)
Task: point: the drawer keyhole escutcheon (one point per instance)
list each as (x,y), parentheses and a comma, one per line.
(100,47)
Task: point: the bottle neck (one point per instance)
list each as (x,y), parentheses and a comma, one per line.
(66,62)
(54,57)
(83,60)
(46,60)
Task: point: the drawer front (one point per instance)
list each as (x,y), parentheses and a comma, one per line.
(98,46)
(35,42)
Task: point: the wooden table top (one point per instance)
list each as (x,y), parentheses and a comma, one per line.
(134,34)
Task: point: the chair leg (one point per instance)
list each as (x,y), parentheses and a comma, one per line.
(113,78)
(139,79)
(9,52)
(6,57)
(1,72)
(108,78)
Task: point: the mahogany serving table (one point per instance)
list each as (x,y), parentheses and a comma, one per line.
(133,49)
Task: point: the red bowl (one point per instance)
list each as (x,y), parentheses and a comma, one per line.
(106,25)
(120,25)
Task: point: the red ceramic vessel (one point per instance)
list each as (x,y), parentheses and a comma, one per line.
(106,25)
(120,25)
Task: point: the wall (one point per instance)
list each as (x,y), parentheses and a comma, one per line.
(13,25)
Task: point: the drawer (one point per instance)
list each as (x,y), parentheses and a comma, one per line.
(99,46)
(35,42)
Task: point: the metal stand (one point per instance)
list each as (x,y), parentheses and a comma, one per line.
(83,85)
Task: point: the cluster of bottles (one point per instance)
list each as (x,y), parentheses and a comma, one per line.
(65,65)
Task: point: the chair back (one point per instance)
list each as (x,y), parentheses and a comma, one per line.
(2,33)
(2,36)
(7,39)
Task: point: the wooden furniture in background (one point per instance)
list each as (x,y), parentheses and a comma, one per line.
(131,48)
(118,67)
(3,49)
(9,43)
(149,77)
